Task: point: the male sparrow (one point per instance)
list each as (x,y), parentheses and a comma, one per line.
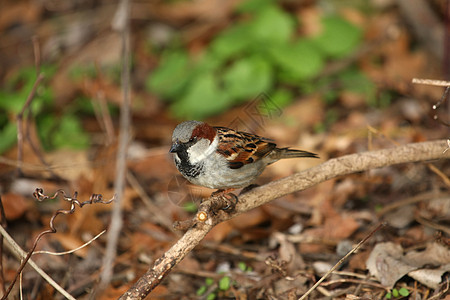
(222,158)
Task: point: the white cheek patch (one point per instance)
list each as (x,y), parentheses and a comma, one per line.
(197,154)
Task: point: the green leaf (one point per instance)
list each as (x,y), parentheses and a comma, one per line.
(378,208)
(242,266)
(395,293)
(190,207)
(203,98)
(209,281)
(339,37)
(8,137)
(248,77)
(65,132)
(272,26)
(357,82)
(232,41)
(46,125)
(404,292)
(201,290)
(211,296)
(388,296)
(282,98)
(71,134)
(224,283)
(12,102)
(297,61)
(84,105)
(251,6)
(206,62)
(172,75)
(19,86)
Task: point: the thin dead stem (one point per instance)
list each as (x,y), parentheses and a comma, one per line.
(411,200)
(101,108)
(26,109)
(73,250)
(341,261)
(20,254)
(431,82)
(20,130)
(430,166)
(158,215)
(121,24)
(442,292)
(40,196)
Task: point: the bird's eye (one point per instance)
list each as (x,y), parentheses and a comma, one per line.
(192,139)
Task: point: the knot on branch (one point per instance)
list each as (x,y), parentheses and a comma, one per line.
(216,203)
(208,209)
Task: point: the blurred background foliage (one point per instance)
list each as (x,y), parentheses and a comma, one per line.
(54,131)
(262,51)
(193,60)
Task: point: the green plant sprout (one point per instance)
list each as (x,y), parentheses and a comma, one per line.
(394,294)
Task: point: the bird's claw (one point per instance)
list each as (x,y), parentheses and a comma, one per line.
(228,200)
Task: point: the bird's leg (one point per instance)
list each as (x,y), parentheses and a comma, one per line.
(225,194)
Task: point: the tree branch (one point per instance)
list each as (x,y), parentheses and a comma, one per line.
(417,152)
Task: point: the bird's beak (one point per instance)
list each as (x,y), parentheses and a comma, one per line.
(175,147)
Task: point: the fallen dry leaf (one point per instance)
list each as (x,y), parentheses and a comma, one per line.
(388,263)
(14,205)
(385,263)
(287,252)
(430,277)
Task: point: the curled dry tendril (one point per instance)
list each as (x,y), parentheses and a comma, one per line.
(40,196)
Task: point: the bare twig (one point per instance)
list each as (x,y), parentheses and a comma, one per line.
(417,152)
(72,250)
(120,23)
(26,109)
(433,168)
(15,248)
(37,54)
(101,109)
(442,292)
(431,82)
(438,104)
(20,121)
(40,196)
(443,98)
(341,261)
(424,23)
(431,224)
(438,172)
(358,281)
(152,209)
(411,200)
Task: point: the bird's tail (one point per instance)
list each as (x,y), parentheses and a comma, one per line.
(293,153)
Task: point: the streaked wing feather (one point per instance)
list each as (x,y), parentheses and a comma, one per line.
(241,148)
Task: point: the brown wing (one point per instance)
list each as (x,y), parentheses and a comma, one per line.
(241,148)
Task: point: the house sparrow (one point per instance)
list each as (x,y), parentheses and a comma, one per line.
(222,158)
